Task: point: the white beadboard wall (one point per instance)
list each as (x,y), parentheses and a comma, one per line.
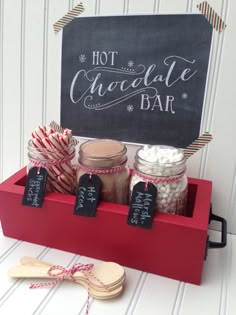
(30,58)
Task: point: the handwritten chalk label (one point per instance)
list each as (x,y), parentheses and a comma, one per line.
(142,205)
(35,187)
(87,195)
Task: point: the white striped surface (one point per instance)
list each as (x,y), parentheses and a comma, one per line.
(143,294)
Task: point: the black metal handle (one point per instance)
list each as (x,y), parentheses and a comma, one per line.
(214,217)
(211,244)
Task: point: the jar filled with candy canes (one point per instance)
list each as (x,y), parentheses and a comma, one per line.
(165,168)
(55,152)
(107,159)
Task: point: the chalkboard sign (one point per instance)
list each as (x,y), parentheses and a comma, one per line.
(35,187)
(142,205)
(87,195)
(138,79)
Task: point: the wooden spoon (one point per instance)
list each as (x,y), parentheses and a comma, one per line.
(39,271)
(29,261)
(23,271)
(109,273)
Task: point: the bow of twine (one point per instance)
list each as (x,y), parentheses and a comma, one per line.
(60,273)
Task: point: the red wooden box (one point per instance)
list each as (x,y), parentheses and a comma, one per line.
(174,247)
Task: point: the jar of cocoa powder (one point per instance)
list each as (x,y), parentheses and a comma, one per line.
(106,158)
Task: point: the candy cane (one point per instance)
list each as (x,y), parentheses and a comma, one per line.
(58,128)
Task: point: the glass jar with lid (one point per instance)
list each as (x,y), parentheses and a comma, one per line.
(165,167)
(106,158)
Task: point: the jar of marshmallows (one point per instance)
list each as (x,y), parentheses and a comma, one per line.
(165,167)
(107,159)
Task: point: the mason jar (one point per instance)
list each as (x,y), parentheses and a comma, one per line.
(165,167)
(58,161)
(107,159)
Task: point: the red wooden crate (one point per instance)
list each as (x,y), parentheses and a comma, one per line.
(174,247)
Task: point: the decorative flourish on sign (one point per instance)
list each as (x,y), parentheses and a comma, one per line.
(210,14)
(68,17)
(130,108)
(82,58)
(184,96)
(197,144)
(130,63)
(104,79)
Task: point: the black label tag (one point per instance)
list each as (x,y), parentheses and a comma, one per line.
(142,205)
(87,195)
(35,187)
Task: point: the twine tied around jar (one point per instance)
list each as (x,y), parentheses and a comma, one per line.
(47,164)
(111,170)
(157,180)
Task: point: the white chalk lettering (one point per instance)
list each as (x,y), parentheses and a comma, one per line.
(81,196)
(91,193)
(103,57)
(96,84)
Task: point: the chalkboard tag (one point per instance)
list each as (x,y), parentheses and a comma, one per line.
(35,187)
(87,195)
(142,205)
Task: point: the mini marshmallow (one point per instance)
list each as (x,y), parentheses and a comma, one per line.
(163,161)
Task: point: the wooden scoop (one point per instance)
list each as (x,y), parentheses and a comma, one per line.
(108,273)
(39,269)
(29,261)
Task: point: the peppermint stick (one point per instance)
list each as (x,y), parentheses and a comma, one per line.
(197,144)
(58,128)
(53,151)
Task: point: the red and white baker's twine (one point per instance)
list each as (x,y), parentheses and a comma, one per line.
(149,179)
(61,273)
(40,163)
(112,170)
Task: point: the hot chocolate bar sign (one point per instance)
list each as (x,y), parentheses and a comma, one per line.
(138,79)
